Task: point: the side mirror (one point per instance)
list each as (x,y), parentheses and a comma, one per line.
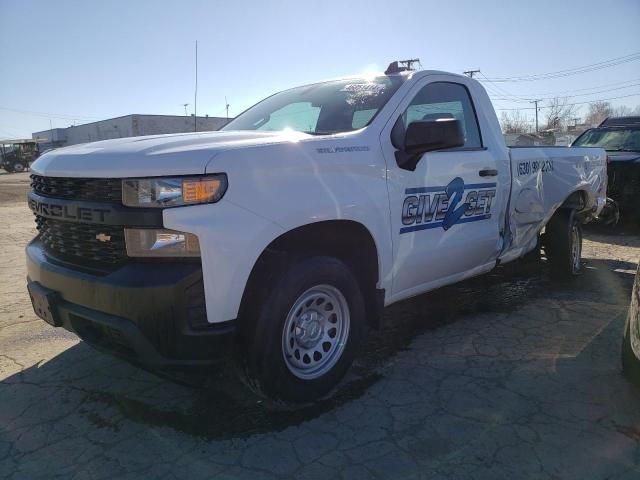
(430,135)
(425,136)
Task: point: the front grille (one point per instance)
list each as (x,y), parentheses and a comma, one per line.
(88,189)
(624,180)
(78,242)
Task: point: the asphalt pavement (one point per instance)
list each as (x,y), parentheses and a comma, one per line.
(508,375)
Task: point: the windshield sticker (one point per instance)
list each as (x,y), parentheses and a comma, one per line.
(371,88)
(431,207)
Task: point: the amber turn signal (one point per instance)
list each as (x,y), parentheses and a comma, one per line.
(201,190)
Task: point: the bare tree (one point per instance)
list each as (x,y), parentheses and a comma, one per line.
(598,111)
(621,111)
(559,113)
(514,122)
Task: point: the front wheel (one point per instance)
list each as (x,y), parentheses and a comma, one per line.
(563,244)
(301,336)
(19,167)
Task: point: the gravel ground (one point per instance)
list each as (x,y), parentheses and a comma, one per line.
(508,375)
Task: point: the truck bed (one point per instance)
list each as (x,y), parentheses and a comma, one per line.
(542,178)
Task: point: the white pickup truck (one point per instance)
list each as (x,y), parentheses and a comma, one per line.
(281,238)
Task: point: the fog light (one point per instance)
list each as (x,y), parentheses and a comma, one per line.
(148,242)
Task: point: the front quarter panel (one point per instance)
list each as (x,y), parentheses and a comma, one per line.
(312,180)
(231,240)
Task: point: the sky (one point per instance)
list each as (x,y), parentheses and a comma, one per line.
(66,62)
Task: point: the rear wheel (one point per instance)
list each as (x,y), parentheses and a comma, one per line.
(563,244)
(19,167)
(8,168)
(302,334)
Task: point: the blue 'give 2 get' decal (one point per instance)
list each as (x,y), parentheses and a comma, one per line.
(431,207)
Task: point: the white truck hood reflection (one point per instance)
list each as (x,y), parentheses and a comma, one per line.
(174,154)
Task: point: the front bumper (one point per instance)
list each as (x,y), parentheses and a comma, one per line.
(147,312)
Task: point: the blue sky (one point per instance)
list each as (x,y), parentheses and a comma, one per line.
(65,61)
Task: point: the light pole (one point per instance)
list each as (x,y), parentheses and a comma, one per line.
(536,104)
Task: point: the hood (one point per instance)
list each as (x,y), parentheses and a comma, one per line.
(157,155)
(624,156)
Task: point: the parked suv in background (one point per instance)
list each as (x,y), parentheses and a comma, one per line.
(620,137)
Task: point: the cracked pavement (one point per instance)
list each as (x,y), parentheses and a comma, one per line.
(508,375)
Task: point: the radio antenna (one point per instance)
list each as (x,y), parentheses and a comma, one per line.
(195,95)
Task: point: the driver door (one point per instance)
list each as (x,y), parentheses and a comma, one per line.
(444,214)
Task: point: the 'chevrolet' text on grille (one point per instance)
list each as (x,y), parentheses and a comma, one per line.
(71,212)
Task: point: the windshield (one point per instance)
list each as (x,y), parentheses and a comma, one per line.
(321,108)
(612,139)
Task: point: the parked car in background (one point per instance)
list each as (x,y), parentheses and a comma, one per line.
(620,121)
(631,340)
(620,137)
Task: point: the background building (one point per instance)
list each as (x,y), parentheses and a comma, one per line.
(127,126)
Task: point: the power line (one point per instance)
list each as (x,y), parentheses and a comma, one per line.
(560,93)
(570,71)
(576,103)
(579,94)
(496,88)
(49,115)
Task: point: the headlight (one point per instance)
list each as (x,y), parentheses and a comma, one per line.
(151,242)
(174,191)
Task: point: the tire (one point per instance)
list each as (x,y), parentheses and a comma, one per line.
(631,339)
(19,167)
(534,255)
(563,244)
(288,352)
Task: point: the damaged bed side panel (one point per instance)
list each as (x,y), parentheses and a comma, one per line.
(543,179)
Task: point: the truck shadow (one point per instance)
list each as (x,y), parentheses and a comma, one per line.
(110,394)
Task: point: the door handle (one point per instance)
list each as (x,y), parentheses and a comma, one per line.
(488,172)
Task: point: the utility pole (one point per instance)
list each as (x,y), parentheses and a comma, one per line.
(195,96)
(185,105)
(469,73)
(226,106)
(536,104)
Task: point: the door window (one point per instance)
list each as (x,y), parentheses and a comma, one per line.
(446,100)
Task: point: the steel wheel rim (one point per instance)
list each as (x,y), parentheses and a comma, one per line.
(576,249)
(315,332)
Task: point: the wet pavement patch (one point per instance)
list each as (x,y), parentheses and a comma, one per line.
(214,415)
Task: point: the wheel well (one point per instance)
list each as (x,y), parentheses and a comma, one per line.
(347,240)
(575,201)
